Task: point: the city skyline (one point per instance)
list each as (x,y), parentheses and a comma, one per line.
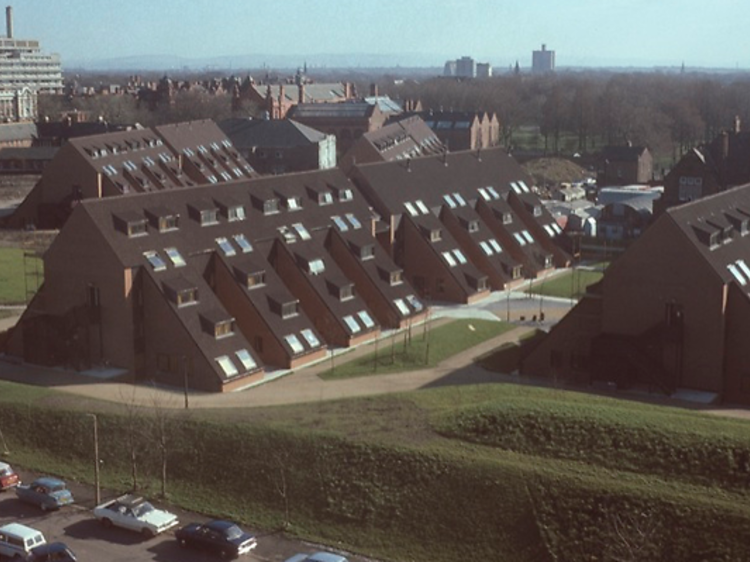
(419,33)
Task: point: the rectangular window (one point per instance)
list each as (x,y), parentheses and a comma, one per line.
(310,337)
(226,246)
(175,256)
(549,231)
(367,252)
(459,256)
(486,248)
(293,204)
(270,206)
(448,199)
(223,329)
(483,193)
(422,207)
(527,236)
(436,235)
(354,221)
(459,199)
(137,228)
(340,224)
(472,226)
(187,296)
(290,309)
(366,319)
(256,279)
(352,324)
(414,302)
(402,308)
(449,258)
(243,243)
(316,266)
(227,366)
(209,217)
(293,341)
(236,213)
(491,190)
(302,231)
(397,277)
(495,245)
(325,198)
(507,218)
(346,195)
(519,238)
(155,260)
(412,210)
(346,292)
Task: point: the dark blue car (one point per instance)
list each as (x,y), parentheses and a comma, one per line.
(45,492)
(52,552)
(218,537)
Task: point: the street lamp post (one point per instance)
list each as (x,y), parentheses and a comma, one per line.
(98,497)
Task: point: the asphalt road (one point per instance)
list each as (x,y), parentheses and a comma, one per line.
(91,542)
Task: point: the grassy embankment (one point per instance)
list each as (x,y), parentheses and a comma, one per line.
(494,472)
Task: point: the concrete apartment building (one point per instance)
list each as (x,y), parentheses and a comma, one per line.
(467,67)
(211,285)
(279,146)
(127,162)
(673,312)
(542,61)
(462,224)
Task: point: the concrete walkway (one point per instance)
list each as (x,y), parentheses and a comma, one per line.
(301,386)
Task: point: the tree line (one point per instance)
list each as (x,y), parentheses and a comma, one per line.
(668,112)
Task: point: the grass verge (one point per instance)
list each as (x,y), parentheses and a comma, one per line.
(570,285)
(17,275)
(423,349)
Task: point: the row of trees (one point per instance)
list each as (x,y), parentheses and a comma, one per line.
(669,113)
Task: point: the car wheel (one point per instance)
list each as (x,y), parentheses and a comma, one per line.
(148,533)
(43,506)
(182,543)
(106,523)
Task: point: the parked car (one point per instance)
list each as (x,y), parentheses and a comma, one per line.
(45,492)
(8,477)
(317,557)
(52,552)
(136,514)
(17,541)
(219,537)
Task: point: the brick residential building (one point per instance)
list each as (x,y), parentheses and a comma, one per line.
(211,285)
(127,162)
(671,313)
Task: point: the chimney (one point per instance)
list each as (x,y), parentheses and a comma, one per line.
(374,90)
(301,92)
(408,164)
(9,21)
(737,124)
(724,145)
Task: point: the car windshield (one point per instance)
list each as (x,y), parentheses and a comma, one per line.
(233,532)
(4,472)
(58,488)
(143,509)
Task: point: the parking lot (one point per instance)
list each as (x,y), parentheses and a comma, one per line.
(76,527)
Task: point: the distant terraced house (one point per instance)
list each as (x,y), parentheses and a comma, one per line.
(128,162)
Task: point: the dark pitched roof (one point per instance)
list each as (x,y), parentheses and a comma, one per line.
(622,153)
(343,110)
(275,133)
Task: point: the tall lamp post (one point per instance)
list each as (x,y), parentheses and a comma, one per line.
(98,497)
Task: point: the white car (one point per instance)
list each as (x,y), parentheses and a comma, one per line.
(17,541)
(136,514)
(317,557)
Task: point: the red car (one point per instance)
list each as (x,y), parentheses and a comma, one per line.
(8,477)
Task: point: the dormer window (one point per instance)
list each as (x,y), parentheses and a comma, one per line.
(293,204)
(507,218)
(537,210)
(472,226)
(367,252)
(224,328)
(290,309)
(436,235)
(187,297)
(209,217)
(236,213)
(257,279)
(346,195)
(396,277)
(325,198)
(316,266)
(346,292)
(137,228)
(270,206)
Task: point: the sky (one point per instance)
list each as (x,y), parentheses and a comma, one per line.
(591,33)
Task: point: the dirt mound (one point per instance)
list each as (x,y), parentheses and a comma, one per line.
(554,171)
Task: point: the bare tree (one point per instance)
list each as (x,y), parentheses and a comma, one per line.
(634,537)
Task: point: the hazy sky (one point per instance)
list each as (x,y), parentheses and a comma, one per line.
(582,32)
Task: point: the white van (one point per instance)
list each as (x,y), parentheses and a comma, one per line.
(17,540)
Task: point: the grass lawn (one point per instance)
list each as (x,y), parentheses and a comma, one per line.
(13,278)
(397,354)
(570,285)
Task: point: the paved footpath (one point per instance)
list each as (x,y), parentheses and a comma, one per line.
(301,386)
